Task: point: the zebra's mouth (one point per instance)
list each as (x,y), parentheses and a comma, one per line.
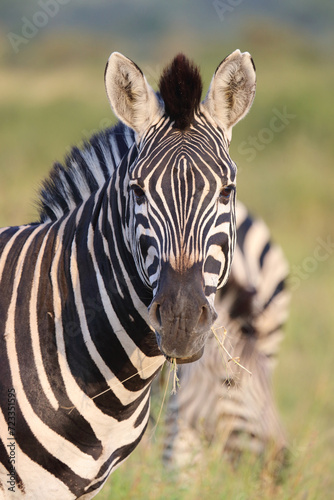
(190,359)
(178,352)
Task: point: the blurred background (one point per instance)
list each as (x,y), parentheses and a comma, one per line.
(52,59)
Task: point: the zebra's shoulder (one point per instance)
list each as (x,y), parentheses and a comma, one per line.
(84,171)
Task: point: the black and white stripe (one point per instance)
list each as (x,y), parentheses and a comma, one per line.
(218,402)
(84,326)
(73,329)
(182,208)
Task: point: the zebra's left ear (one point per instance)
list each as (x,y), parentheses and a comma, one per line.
(231,91)
(132,99)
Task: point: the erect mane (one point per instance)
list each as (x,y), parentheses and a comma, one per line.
(84,172)
(180,87)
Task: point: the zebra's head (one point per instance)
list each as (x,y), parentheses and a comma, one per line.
(182,188)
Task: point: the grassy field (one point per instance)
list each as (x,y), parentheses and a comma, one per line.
(51,97)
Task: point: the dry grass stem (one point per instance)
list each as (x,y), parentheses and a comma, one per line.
(162,403)
(231,358)
(176,381)
(71,408)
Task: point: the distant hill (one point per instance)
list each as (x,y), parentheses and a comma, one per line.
(152,18)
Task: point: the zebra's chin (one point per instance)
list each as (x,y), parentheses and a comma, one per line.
(182,361)
(182,352)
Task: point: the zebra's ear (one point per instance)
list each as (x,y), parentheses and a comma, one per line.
(231,91)
(132,99)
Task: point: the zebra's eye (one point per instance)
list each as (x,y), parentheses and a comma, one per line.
(138,192)
(225,194)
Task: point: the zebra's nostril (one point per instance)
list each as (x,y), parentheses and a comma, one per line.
(205,317)
(157,314)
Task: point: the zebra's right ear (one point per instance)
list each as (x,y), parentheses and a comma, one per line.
(132,99)
(231,91)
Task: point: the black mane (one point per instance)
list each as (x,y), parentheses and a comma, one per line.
(180,87)
(85,170)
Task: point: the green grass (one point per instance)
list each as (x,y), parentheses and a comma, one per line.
(49,101)
(142,477)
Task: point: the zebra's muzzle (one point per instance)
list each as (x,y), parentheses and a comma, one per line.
(181,314)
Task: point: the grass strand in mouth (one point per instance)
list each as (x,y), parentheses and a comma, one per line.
(176,381)
(162,403)
(176,384)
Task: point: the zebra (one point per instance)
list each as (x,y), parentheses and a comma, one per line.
(218,402)
(135,234)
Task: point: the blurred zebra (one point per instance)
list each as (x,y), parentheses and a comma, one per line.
(218,401)
(136,233)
